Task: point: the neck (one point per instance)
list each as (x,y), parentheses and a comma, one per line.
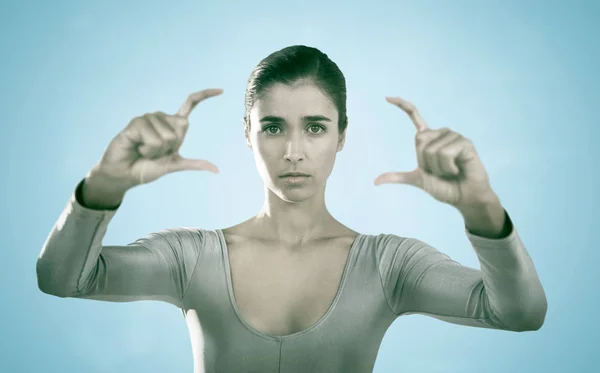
(294,223)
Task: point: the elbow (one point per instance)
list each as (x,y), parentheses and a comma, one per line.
(530,325)
(532,318)
(54,292)
(47,283)
(540,316)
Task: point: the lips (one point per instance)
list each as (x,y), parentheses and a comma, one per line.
(292,174)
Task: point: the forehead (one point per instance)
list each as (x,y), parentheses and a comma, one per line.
(294,100)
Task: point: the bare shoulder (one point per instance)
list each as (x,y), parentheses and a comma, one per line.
(236,234)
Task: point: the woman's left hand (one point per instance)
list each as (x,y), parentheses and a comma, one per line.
(449,168)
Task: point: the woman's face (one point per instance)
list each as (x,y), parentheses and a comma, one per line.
(294,129)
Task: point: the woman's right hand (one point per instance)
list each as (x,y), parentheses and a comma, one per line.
(148,148)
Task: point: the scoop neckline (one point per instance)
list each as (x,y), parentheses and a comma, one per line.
(315,325)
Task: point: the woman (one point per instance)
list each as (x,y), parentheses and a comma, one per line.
(292,289)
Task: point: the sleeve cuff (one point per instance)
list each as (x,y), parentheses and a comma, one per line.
(482,242)
(81,210)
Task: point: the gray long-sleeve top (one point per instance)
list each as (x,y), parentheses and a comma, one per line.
(385,276)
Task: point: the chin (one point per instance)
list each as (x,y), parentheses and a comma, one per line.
(294,195)
(291,193)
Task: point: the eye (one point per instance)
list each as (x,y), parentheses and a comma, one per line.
(269,130)
(314,128)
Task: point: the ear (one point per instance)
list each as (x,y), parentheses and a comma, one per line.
(247,132)
(342,139)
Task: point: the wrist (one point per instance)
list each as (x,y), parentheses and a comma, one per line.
(100,191)
(486,218)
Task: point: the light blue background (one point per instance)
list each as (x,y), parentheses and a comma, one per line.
(520,80)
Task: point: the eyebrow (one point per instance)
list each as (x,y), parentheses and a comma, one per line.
(307,118)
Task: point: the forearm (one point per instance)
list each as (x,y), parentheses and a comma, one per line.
(512,286)
(99,192)
(72,248)
(487,219)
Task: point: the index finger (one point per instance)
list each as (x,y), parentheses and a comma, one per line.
(195,98)
(411,110)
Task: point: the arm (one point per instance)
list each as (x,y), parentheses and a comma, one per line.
(74,263)
(505,293)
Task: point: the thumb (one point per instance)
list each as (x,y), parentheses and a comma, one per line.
(413,178)
(179,163)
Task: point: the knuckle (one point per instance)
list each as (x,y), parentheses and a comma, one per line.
(446,152)
(422,136)
(146,119)
(140,118)
(411,108)
(197,96)
(147,125)
(153,141)
(171,137)
(135,121)
(183,121)
(177,120)
(430,152)
(151,116)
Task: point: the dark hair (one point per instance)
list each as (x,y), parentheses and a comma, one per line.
(292,64)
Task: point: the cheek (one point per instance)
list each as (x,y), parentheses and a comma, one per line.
(266,151)
(330,149)
(325,154)
(325,157)
(266,157)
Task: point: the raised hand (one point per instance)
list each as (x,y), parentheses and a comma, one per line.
(148,147)
(449,168)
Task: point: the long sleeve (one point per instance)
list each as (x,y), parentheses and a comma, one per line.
(505,293)
(74,263)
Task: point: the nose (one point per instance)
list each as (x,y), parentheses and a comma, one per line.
(294,150)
